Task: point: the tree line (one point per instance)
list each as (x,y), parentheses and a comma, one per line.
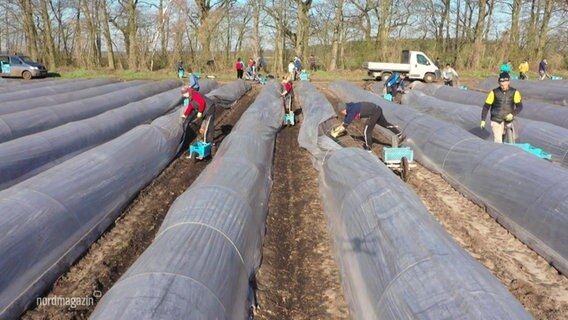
(155,34)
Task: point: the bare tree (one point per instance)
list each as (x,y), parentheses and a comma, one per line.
(93,56)
(29,28)
(337,27)
(48,36)
(365,7)
(478,45)
(103,9)
(303,28)
(209,14)
(543,30)
(257,46)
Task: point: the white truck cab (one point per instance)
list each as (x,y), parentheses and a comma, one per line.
(415,64)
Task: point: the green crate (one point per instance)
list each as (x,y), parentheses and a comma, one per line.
(395,154)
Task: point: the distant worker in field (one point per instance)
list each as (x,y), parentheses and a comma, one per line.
(395,85)
(297,66)
(449,74)
(523,69)
(438,63)
(505,104)
(193,80)
(287,94)
(506,67)
(261,65)
(204,111)
(239,66)
(543,69)
(180,69)
(287,86)
(312,62)
(291,71)
(374,115)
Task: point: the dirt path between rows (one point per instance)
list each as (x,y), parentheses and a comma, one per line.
(132,233)
(298,278)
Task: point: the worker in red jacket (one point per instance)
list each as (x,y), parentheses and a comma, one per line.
(239,66)
(205,112)
(287,94)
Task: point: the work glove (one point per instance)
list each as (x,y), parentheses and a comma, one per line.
(182,118)
(186,102)
(199,115)
(337,131)
(509,117)
(482,125)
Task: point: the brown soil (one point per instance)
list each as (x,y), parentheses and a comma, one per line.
(298,278)
(132,233)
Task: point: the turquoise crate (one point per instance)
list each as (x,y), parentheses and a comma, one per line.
(395,154)
(556,78)
(530,149)
(200,149)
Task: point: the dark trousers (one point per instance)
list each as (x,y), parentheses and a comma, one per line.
(377,118)
(239,74)
(209,126)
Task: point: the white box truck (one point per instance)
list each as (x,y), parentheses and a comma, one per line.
(415,64)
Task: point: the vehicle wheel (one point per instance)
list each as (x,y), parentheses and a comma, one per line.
(428,78)
(404,169)
(26,75)
(385,76)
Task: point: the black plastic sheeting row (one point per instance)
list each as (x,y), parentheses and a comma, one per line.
(78,84)
(19,124)
(528,195)
(224,98)
(209,246)
(532,109)
(33,101)
(51,219)
(539,90)
(27,156)
(396,261)
(548,137)
(14,85)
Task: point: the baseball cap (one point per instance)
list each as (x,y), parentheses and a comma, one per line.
(504,76)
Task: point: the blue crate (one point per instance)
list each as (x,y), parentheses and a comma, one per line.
(395,154)
(304,76)
(530,149)
(556,78)
(388,97)
(200,149)
(289,118)
(262,80)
